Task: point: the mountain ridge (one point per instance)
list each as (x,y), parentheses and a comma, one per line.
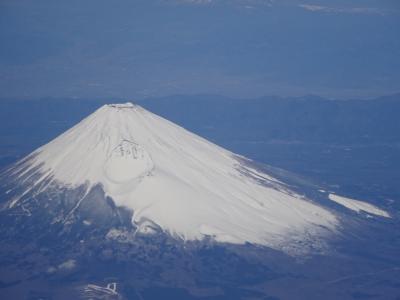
(179,181)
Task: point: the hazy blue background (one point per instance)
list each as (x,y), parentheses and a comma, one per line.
(240,48)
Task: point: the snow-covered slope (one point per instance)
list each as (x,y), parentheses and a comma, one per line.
(168,176)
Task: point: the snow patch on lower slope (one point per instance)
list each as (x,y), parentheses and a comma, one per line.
(184,184)
(359,206)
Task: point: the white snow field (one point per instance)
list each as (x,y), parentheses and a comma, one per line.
(359,206)
(188,186)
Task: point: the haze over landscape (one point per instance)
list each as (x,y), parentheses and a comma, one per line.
(240,48)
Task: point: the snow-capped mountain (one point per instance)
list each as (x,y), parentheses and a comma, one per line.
(171,180)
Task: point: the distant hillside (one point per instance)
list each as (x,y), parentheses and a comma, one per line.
(308,119)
